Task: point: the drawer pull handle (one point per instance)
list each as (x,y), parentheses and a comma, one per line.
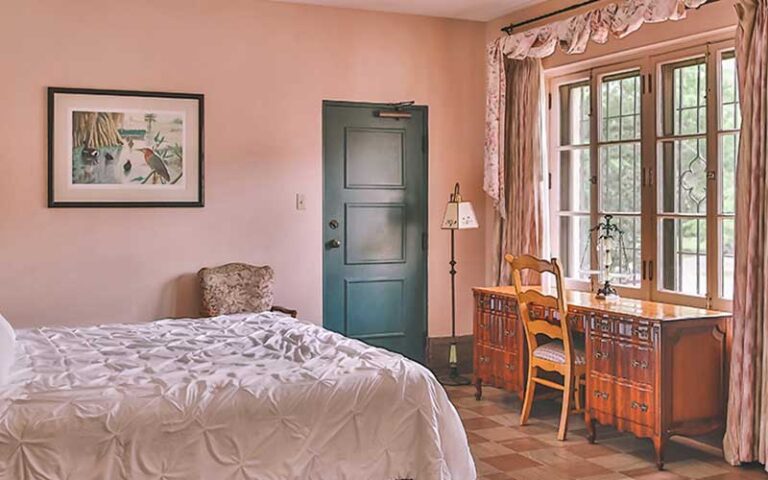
(599,394)
(510,366)
(641,406)
(509,333)
(641,333)
(639,364)
(484,359)
(599,355)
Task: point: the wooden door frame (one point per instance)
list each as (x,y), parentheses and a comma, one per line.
(424,189)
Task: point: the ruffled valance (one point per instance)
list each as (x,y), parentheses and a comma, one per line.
(571,36)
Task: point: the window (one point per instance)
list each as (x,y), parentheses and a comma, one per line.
(619,166)
(729,117)
(653,143)
(575,187)
(682,167)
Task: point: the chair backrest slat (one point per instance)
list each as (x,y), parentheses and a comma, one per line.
(556,327)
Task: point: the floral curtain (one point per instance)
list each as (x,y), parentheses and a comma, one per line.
(746,438)
(571,36)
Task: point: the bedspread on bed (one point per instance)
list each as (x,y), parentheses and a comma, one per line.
(244,396)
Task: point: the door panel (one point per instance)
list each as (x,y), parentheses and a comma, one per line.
(374,225)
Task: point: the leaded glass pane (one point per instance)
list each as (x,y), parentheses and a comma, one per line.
(574,114)
(684,255)
(684,97)
(683,176)
(726,257)
(575,188)
(574,245)
(730,114)
(620,169)
(729,144)
(620,107)
(625,260)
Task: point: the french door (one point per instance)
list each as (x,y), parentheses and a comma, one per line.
(651,142)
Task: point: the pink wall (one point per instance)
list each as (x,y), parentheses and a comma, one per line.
(265,69)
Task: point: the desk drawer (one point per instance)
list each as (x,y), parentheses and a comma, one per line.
(634,330)
(509,370)
(635,362)
(482,322)
(601,325)
(512,334)
(635,404)
(484,363)
(601,395)
(601,355)
(498,304)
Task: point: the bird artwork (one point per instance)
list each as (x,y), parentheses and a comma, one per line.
(108,157)
(156,164)
(89,157)
(127,166)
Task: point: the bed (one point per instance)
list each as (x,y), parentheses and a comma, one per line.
(250,396)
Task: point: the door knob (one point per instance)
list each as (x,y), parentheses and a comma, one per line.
(334,243)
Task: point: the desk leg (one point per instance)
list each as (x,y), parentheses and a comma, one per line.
(478,388)
(591,430)
(659,443)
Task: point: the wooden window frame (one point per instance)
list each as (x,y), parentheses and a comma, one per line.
(649,62)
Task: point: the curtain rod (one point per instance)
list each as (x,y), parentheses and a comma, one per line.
(510,28)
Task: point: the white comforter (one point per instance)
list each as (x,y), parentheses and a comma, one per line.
(244,396)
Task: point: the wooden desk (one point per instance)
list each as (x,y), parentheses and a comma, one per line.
(653,369)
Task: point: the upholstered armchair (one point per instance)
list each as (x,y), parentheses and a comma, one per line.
(238,288)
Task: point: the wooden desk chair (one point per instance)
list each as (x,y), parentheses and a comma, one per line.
(558,353)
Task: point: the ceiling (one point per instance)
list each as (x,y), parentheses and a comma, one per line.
(482,10)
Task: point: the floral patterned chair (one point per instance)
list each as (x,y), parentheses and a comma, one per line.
(238,288)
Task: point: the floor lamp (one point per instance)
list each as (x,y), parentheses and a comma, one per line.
(459,215)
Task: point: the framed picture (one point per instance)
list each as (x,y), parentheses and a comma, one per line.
(117,148)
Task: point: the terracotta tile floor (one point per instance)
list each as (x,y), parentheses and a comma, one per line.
(504,450)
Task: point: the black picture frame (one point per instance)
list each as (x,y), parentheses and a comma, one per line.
(198,97)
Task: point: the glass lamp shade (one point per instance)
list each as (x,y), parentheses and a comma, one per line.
(459,216)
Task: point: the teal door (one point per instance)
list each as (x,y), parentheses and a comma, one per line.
(374,225)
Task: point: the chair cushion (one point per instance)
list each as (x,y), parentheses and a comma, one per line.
(554,352)
(236,288)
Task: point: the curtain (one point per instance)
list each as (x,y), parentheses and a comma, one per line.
(519,224)
(746,437)
(571,36)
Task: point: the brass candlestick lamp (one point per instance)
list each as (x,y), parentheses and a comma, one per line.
(610,237)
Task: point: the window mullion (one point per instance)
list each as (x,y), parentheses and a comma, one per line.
(648,193)
(594,161)
(713,171)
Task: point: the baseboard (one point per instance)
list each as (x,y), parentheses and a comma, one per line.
(437,354)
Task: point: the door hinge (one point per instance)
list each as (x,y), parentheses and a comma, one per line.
(549,181)
(424,242)
(549,101)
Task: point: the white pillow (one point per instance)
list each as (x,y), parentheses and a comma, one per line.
(7,342)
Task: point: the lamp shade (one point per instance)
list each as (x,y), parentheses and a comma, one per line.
(459,215)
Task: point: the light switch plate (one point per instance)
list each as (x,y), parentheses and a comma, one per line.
(300,202)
